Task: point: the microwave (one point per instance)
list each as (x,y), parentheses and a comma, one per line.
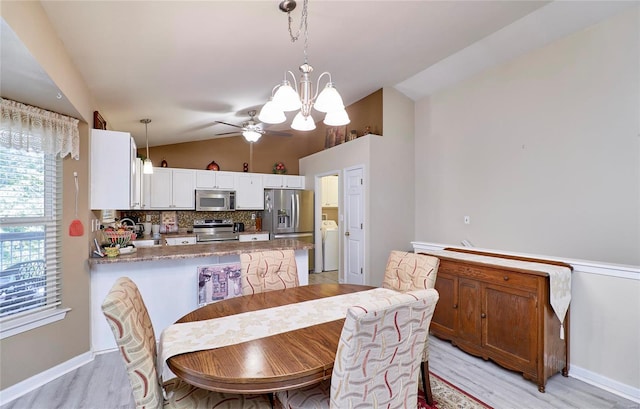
(215,200)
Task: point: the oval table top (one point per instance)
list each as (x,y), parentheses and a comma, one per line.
(279,362)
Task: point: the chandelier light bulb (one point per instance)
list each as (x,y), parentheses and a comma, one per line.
(286,98)
(329,99)
(271,114)
(302,123)
(337,118)
(147,167)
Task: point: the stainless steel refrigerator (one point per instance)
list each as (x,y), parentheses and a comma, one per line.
(288,214)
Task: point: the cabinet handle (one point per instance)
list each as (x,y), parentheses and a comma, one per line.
(483,315)
(455,306)
(506,278)
(254,238)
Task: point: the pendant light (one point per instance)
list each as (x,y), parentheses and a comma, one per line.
(147,167)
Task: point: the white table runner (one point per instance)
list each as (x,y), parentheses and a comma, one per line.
(248,326)
(559,277)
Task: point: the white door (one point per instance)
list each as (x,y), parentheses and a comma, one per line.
(354,225)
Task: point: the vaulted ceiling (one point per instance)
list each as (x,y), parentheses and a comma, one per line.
(186,64)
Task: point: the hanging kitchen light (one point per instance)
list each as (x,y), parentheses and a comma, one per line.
(285,98)
(147,167)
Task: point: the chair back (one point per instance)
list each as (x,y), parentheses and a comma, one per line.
(379,352)
(129,320)
(268,270)
(410,271)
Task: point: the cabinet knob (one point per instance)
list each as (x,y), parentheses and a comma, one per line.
(483,315)
(347,233)
(506,278)
(455,306)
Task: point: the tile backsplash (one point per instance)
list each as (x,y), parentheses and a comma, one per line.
(186,217)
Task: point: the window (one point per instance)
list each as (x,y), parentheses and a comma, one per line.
(32,144)
(30,232)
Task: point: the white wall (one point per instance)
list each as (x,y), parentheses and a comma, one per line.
(543,153)
(388,173)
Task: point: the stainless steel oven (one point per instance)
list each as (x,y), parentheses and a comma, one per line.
(214,230)
(215,200)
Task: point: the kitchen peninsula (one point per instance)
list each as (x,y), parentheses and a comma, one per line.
(167,277)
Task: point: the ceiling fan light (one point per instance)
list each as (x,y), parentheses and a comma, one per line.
(329,99)
(147,167)
(302,123)
(337,118)
(286,98)
(251,136)
(270,113)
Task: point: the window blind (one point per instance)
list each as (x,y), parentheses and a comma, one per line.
(30,232)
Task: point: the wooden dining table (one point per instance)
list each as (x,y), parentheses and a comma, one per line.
(293,359)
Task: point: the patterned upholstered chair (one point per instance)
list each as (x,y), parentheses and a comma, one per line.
(411,271)
(129,320)
(378,357)
(268,270)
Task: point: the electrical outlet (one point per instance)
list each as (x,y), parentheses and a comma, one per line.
(467,220)
(253,216)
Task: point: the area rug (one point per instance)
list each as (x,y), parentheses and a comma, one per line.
(448,396)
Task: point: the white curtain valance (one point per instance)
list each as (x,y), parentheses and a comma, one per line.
(32,129)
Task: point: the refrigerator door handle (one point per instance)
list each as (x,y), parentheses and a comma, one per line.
(297,195)
(294,213)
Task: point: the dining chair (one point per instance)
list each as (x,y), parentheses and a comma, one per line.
(378,357)
(413,271)
(129,320)
(268,270)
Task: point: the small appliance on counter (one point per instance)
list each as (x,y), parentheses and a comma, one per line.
(214,230)
(238,227)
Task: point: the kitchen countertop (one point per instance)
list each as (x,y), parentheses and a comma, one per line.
(201,250)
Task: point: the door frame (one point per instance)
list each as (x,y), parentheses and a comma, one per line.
(318,220)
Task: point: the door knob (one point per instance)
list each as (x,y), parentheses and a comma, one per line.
(347,233)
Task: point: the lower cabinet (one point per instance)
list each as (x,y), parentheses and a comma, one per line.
(180,241)
(254,237)
(502,314)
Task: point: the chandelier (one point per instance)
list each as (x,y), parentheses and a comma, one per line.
(285,98)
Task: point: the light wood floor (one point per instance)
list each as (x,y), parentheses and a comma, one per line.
(103,383)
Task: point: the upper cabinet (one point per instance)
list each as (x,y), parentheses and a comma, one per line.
(209,179)
(330,191)
(116,180)
(173,189)
(249,191)
(283,182)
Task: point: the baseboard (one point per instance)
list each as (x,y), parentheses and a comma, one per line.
(610,385)
(21,388)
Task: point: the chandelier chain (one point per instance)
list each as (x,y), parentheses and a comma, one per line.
(303,24)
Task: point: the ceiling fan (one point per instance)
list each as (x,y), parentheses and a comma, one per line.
(251,129)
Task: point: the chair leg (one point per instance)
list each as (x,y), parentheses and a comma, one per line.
(426,383)
(271,399)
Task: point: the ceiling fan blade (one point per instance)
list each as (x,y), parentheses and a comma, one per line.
(227,123)
(228,133)
(276,133)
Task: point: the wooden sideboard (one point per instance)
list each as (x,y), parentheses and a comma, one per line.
(503,314)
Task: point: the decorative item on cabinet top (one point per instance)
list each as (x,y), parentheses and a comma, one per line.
(279,168)
(213,166)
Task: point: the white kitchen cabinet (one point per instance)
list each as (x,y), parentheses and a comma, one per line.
(180,241)
(115,180)
(283,182)
(254,237)
(209,179)
(173,189)
(330,191)
(249,191)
